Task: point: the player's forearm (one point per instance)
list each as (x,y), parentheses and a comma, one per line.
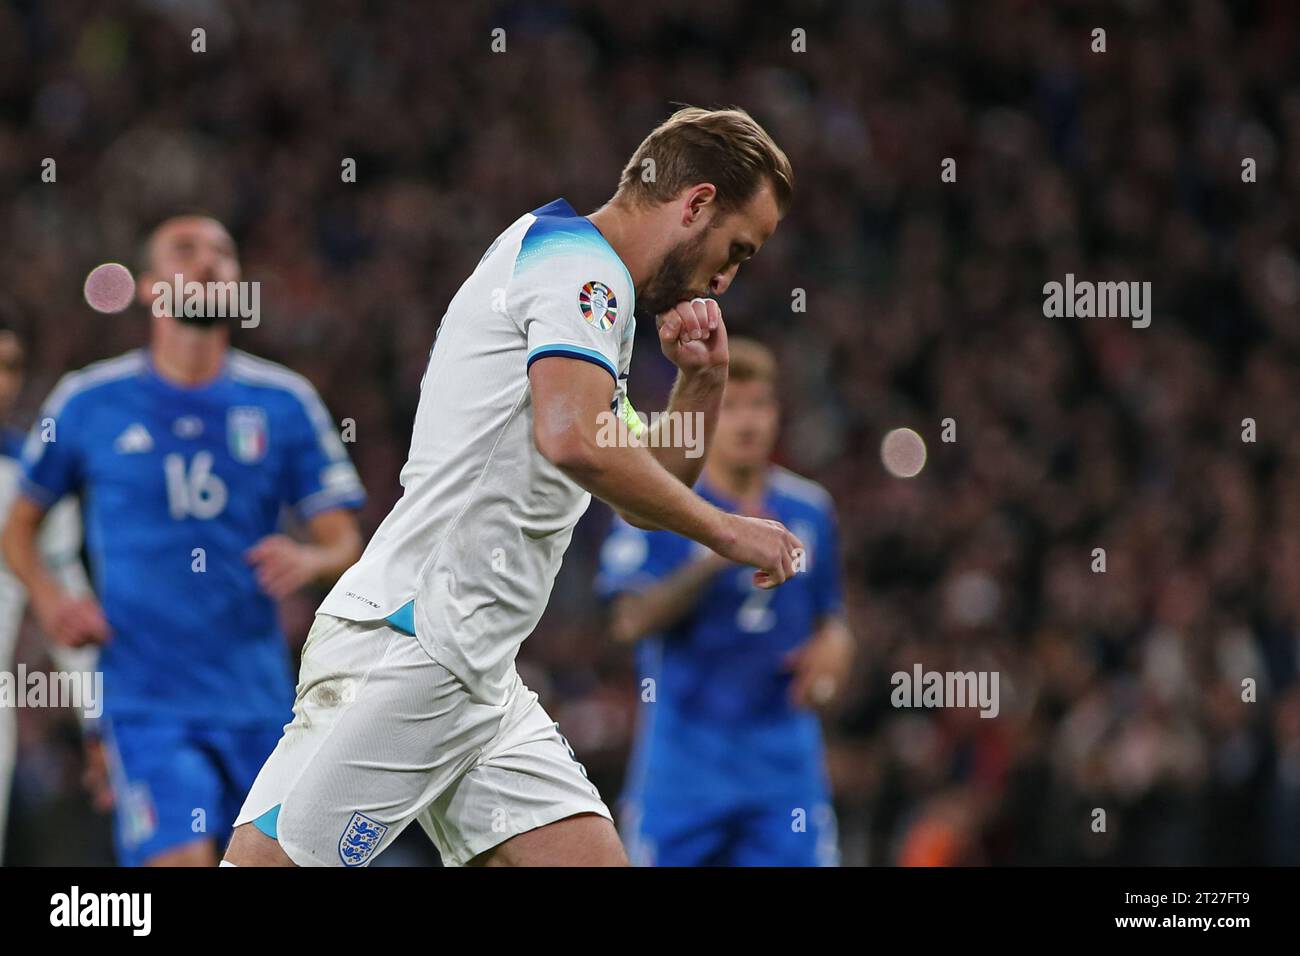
(336,544)
(634,615)
(692,416)
(571,400)
(331,561)
(635,484)
(22,554)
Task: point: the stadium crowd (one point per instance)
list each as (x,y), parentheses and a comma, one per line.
(893,299)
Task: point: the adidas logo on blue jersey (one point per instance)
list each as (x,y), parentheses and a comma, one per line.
(135,440)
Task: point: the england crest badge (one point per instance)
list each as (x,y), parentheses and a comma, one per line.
(360,839)
(246,433)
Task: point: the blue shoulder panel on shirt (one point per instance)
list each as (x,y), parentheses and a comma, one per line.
(559,230)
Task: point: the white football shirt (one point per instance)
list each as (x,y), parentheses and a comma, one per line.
(477,538)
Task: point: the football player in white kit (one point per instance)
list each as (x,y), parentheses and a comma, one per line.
(60,543)
(408,705)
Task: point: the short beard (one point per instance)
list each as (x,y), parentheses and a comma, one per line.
(668,285)
(209,319)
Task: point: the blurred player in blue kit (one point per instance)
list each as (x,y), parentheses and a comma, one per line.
(728,767)
(60,542)
(185,454)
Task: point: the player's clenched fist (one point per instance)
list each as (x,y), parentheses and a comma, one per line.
(72,620)
(765,544)
(692,336)
(282,564)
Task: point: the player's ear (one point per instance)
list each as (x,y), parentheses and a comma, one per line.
(699,199)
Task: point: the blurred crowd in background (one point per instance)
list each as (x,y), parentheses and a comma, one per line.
(1120,690)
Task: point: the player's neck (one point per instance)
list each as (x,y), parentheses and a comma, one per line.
(742,484)
(188,357)
(628,235)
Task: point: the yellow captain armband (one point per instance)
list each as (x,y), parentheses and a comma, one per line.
(630,418)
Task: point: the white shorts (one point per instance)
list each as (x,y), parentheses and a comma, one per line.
(382,735)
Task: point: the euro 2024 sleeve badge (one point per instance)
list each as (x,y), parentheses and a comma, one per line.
(598,305)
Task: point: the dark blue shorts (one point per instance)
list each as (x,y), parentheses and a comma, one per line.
(175,783)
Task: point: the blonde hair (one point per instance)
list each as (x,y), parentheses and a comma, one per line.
(724,147)
(750,361)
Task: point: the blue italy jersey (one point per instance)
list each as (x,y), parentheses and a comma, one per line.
(177,484)
(720,729)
